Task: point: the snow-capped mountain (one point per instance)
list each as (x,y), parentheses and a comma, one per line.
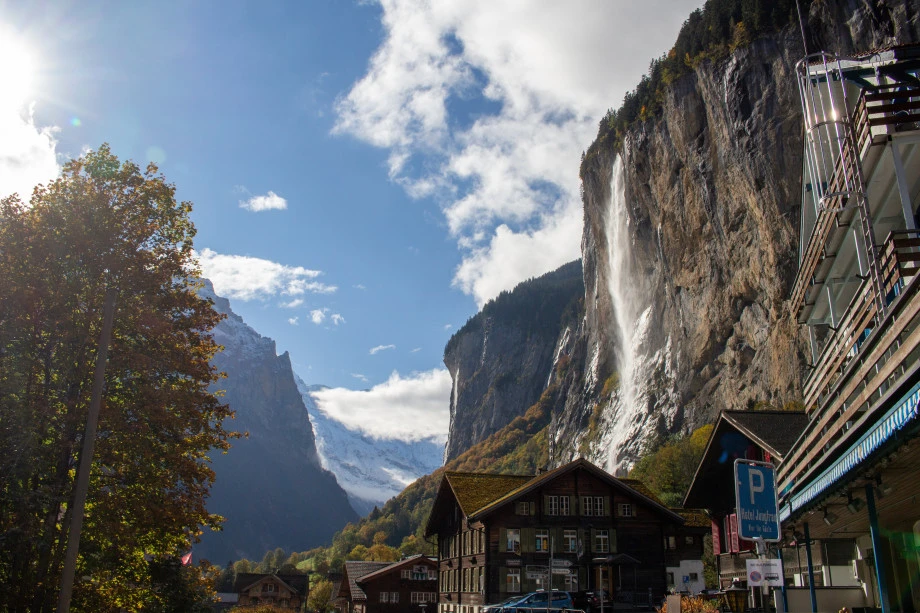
(371,471)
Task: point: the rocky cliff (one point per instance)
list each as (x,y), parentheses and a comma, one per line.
(501,359)
(689,251)
(270,486)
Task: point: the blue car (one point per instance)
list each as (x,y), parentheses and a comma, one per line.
(541,600)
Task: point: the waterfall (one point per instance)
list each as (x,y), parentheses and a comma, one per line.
(628,411)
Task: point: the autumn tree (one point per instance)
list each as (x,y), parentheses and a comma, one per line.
(320,598)
(103,225)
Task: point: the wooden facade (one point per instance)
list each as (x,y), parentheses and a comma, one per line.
(407,586)
(283,591)
(574,528)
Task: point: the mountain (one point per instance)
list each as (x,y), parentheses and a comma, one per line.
(370,470)
(270,486)
(500,360)
(691,197)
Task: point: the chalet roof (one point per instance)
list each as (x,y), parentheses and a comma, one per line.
(694,518)
(642,489)
(473,491)
(546,477)
(773,431)
(356,569)
(297,583)
(410,561)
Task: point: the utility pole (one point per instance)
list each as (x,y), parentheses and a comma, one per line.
(81,486)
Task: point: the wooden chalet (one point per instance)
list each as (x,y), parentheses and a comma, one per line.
(573,528)
(407,586)
(285,591)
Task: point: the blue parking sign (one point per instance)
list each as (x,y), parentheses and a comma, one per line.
(755,500)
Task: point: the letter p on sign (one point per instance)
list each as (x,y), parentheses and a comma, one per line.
(756,483)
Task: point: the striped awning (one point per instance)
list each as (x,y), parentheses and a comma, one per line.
(900,415)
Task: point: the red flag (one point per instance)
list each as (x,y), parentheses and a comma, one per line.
(187,559)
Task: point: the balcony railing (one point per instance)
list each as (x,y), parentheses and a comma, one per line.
(858,365)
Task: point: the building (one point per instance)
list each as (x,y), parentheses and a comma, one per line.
(850,476)
(576,527)
(281,590)
(407,586)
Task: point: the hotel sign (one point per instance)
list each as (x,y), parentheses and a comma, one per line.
(755,500)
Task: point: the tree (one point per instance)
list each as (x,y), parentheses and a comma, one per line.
(320,598)
(103,224)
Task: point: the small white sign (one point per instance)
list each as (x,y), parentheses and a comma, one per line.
(765,572)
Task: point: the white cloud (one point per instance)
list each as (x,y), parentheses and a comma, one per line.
(28,153)
(337,319)
(506,174)
(248,278)
(448,326)
(359,286)
(293,320)
(410,409)
(359,376)
(416,350)
(317,316)
(293,304)
(269,202)
(379,348)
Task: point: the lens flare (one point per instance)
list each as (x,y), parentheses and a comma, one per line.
(17,70)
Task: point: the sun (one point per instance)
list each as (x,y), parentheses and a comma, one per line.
(17,71)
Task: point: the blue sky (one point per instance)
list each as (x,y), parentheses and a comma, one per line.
(365,175)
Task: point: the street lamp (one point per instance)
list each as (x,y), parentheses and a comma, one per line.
(736,597)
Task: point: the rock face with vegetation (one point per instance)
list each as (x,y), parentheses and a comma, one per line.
(501,359)
(711,150)
(270,486)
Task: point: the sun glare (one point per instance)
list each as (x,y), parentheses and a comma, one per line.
(17,71)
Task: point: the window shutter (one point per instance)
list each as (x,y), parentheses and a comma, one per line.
(584,505)
(546,505)
(503,580)
(613,540)
(593,543)
(503,540)
(606,506)
(716,540)
(734,545)
(528,540)
(558,543)
(533,509)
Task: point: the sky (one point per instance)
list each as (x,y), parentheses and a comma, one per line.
(365,175)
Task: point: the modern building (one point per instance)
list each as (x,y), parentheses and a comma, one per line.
(573,528)
(851,475)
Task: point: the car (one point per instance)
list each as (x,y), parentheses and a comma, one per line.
(590,600)
(498,607)
(542,600)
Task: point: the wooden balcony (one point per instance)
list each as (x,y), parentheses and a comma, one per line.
(859,364)
(889,107)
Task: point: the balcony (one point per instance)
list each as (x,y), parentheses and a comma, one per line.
(859,365)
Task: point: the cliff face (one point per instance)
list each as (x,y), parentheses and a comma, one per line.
(270,486)
(689,250)
(709,191)
(500,360)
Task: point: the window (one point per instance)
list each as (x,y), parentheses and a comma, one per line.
(405,574)
(552,505)
(592,506)
(626,510)
(688,540)
(513,580)
(384,597)
(418,573)
(570,541)
(422,597)
(542,540)
(602,541)
(394,596)
(694,577)
(670,579)
(523,508)
(670,542)
(513,540)
(268,587)
(564,505)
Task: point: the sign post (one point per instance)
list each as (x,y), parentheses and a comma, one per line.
(758,519)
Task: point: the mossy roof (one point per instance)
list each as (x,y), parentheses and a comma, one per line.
(694,518)
(642,489)
(474,491)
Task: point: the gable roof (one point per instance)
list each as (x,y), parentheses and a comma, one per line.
(773,431)
(356,569)
(295,582)
(410,561)
(474,491)
(694,518)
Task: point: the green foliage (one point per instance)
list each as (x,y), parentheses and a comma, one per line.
(320,598)
(669,469)
(102,224)
(611,384)
(709,33)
